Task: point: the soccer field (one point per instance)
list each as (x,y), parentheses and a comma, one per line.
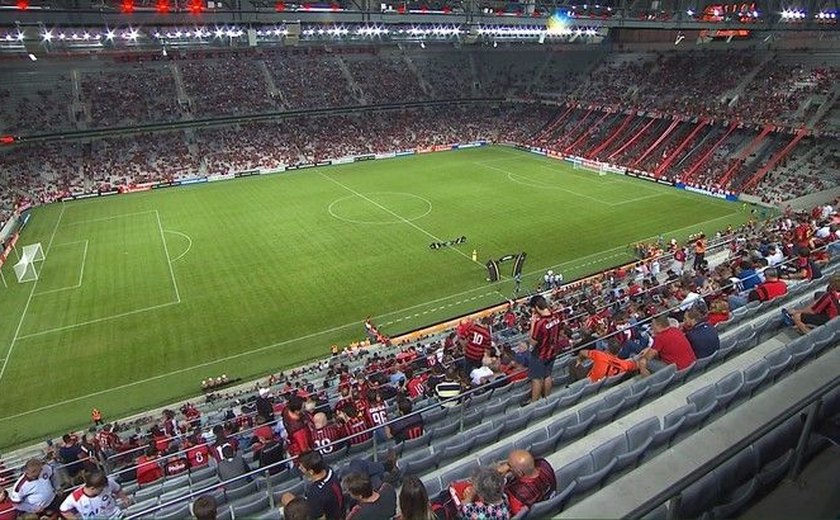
(142,296)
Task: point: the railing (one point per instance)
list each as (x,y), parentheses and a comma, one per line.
(463,397)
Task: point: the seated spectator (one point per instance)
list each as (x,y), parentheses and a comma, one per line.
(530,480)
(176,463)
(148,466)
(825,308)
(484,497)
(297,509)
(408,425)
(718,311)
(33,491)
(7,507)
(370,504)
(748,276)
(449,388)
(604,364)
(204,508)
(805,268)
(354,425)
(703,337)
(271,453)
(670,347)
(324,496)
(97,498)
(232,465)
(414,500)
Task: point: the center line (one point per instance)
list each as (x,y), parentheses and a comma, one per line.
(404,220)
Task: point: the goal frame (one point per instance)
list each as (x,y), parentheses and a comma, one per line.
(25,269)
(583,164)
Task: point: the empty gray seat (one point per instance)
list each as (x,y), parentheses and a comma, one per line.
(460,472)
(779,361)
(497,454)
(420,465)
(553,505)
(736,501)
(699,497)
(639,438)
(571,395)
(471,418)
(705,402)
(728,388)
(606,455)
(444,431)
(634,398)
(436,414)
(456,450)
(543,408)
(147,492)
(233,493)
(800,350)
(517,423)
(493,409)
(660,380)
(671,425)
(490,436)
(528,440)
(586,418)
(250,506)
(593,472)
(271,514)
(754,377)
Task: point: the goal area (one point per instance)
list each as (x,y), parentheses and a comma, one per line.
(25,268)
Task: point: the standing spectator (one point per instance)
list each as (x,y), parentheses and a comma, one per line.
(297,431)
(205,508)
(96,417)
(531,480)
(33,491)
(544,341)
(485,496)
(370,504)
(699,252)
(414,500)
(323,494)
(70,455)
(97,498)
(475,340)
(232,465)
(408,425)
(703,337)
(670,346)
(271,454)
(826,307)
(264,407)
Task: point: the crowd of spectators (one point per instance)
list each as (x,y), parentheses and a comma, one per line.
(130,95)
(385,78)
(226,85)
(310,79)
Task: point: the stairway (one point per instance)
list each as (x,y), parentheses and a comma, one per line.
(736,92)
(688,176)
(586,133)
(742,155)
(682,146)
(79,110)
(830,102)
(425,85)
(183,99)
(633,139)
(753,181)
(546,131)
(580,123)
(610,138)
(354,87)
(673,126)
(275,94)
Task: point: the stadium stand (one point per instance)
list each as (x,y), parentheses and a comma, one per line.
(619,423)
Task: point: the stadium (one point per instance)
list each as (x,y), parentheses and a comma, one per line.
(419,260)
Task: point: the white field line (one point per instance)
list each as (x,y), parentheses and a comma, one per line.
(511,175)
(189,244)
(97,320)
(81,271)
(113,217)
(404,220)
(31,294)
(168,259)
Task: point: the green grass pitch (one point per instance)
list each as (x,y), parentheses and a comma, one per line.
(142,296)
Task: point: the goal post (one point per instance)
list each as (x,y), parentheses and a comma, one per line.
(579,163)
(25,268)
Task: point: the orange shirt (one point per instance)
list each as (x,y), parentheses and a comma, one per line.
(606,365)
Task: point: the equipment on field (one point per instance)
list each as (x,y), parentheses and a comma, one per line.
(592,166)
(25,268)
(439,245)
(493,266)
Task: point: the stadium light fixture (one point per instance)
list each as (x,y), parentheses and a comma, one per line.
(47,36)
(109,34)
(19,36)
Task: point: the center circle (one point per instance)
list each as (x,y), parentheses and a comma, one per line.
(380,207)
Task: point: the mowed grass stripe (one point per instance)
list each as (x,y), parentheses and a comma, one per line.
(272,278)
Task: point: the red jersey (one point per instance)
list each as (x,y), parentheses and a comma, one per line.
(376,414)
(299,436)
(673,347)
(325,437)
(545,332)
(198,455)
(416,386)
(148,470)
(356,426)
(828,304)
(477,339)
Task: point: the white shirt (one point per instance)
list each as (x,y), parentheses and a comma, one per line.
(822,232)
(776,258)
(103,505)
(479,373)
(33,496)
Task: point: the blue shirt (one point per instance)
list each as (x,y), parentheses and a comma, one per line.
(749,279)
(704,339)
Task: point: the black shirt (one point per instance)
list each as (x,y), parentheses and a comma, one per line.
(272,453)
(407,427)
(325,497)
(384,507)
(69,455)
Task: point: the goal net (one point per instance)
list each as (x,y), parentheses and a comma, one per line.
(592,166)
(25,269)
